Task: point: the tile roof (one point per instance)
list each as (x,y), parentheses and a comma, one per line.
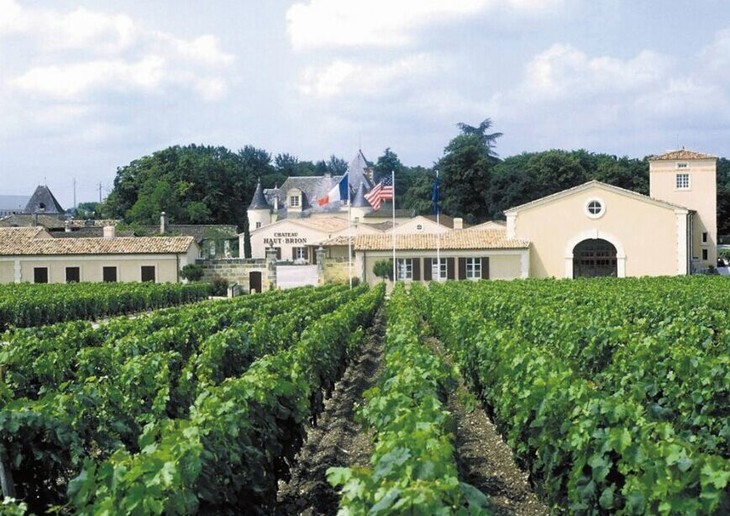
(454,240)
(341,240)
(12,237)
(680,154)
(29,242)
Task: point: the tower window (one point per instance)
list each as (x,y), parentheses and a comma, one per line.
(682,181)
(704,237)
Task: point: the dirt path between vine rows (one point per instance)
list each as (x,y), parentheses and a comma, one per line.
(337,440)
(485,461)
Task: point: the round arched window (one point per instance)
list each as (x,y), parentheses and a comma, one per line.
(595,208)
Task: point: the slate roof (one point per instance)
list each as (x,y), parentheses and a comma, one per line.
(30,242)
(43,200)
(360,201)
(315,187)
(32,220)
(681,154)
(259,200)
(312,187)
(455,240)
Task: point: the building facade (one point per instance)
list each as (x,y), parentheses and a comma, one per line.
(33,255)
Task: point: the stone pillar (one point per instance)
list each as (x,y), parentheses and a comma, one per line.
(320,264)
(271,266)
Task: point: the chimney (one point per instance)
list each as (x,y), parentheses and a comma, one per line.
(163,223)
(276,202)
(458,223)
(67,226)
(109,232)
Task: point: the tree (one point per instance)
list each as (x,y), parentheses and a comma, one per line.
(418,197)
(480,131)
(87,210)
(723,196)
(192,184)
(192,272)
(465,172)
(337,166)
(383,269)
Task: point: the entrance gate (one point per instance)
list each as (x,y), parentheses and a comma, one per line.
(594,257)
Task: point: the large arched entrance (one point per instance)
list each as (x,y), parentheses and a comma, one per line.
(594,257)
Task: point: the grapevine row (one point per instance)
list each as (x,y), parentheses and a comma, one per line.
(614,393)
(230,453)
(28,304)
(413,466)
(85,392)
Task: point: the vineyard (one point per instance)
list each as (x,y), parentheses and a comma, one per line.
(614,395)
(29,304)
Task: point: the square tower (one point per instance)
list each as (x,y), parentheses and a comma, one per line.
(689,179)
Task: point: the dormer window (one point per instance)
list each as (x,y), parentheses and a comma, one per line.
(294,201)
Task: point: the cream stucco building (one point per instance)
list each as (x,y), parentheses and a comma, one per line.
(33,255)
(600,230)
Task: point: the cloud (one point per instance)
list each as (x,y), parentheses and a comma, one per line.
(385,23)
(82,52)
(352,78)
(569,98)
(563,71)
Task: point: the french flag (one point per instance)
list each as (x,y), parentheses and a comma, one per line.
(338,193)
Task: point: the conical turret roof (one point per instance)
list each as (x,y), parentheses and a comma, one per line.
(43,201)
(360,201)
(259,199)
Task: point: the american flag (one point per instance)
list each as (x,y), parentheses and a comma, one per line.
(383,191)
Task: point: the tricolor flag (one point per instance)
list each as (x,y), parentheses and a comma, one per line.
(338,193)
(383,191)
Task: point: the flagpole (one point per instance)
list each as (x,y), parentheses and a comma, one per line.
(392,229)
(438,230)
(349,231)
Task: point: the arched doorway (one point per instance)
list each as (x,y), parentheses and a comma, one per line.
(594,257)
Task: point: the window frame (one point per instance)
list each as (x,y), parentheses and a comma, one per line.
(682,181)
(404,269)
(36,271)
(473,268)
(294,201)
(299,253)
(78,274)
(142,273)
(104,270)
(591,204)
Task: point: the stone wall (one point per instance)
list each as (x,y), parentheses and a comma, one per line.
(235,270)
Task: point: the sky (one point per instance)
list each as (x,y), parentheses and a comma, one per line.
(86,88)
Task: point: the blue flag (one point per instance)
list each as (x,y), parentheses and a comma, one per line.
(435,196)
